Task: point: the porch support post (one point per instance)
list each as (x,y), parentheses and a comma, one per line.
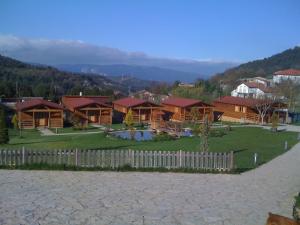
(139,115)
(150,114)
(100,112)
(33,118)
(184,114)
(62,118)
(204,111)
(87,117)
(111,114)
(49,119)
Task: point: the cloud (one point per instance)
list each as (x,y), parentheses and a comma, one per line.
(53,52)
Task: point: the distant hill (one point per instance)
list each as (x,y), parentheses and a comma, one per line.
(264,67)
(140,72)
(18,78)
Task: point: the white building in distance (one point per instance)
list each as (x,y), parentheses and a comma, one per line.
(252,90)
(289,74)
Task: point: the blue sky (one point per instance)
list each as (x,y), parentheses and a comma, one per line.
(231,30)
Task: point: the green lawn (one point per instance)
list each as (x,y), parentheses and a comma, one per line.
(72,130)
(243,141)
(121,126)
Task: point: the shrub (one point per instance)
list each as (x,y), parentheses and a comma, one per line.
(275,121)
(15,121)
(163,137)
(296,208)
(217,133)
(228,128)
(4,138)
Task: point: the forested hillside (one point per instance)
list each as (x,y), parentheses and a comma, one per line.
(264,67)
(21,79)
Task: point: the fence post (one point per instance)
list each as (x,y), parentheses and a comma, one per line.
(76,157)
(255,159)
(129,160)
(180,158)
(23,155)
(231,160)
(285,145)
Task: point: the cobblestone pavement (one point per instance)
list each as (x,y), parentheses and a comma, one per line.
(56,197)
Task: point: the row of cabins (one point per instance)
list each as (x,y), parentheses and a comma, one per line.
(99,110)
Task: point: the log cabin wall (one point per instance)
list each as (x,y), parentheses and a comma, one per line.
(236,113)
(184,113)
(143,113)
(96,115)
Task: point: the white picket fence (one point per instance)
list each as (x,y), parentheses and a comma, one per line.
(119,158)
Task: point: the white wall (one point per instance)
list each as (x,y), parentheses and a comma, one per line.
(278,78)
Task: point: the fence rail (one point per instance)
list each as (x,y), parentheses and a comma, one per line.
(118,158)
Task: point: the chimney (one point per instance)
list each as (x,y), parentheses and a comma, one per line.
(80,93)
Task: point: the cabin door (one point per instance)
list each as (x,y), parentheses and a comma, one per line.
(41,119)
(93,116)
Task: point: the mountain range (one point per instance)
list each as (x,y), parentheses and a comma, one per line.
(23,79)
(79,56)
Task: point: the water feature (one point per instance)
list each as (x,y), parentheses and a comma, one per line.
(139,135)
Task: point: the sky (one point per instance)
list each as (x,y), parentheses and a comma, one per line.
(217,30)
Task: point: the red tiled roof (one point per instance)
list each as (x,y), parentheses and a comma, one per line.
(73,102)
(36,102)
(259,86)
(182,102)
(131,101)
(250,102)
(288,72)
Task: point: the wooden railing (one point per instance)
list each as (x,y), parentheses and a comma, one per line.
(118,158)
(26,123)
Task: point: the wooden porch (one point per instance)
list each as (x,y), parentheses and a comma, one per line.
(34,118)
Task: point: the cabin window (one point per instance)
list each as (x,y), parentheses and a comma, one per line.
(176,109)
(240,109)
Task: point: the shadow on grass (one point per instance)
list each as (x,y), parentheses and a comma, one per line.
(240,150)
(33,142)
(111,147)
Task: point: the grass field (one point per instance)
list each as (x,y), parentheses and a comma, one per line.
(243,141)
(72,130)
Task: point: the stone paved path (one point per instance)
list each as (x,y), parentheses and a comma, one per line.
(55,197)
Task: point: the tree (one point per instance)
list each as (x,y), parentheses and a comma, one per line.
(204,133)
(15,121)
(129,119)
(263,107)
(4,138)
(129,123)
(194,114)
(290,91)
(275,120)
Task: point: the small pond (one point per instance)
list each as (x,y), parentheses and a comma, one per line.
(145,135)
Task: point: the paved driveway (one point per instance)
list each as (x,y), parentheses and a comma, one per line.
(45,197)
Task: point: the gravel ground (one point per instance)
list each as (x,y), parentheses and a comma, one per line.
(56,197)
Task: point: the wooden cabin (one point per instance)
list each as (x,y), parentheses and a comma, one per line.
(143,111)
(39,113)
(237,109)
(180,109)
(90,109)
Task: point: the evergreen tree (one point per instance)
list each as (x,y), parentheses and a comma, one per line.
(129,119)
(3,128)
(15,121)
(129,123)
